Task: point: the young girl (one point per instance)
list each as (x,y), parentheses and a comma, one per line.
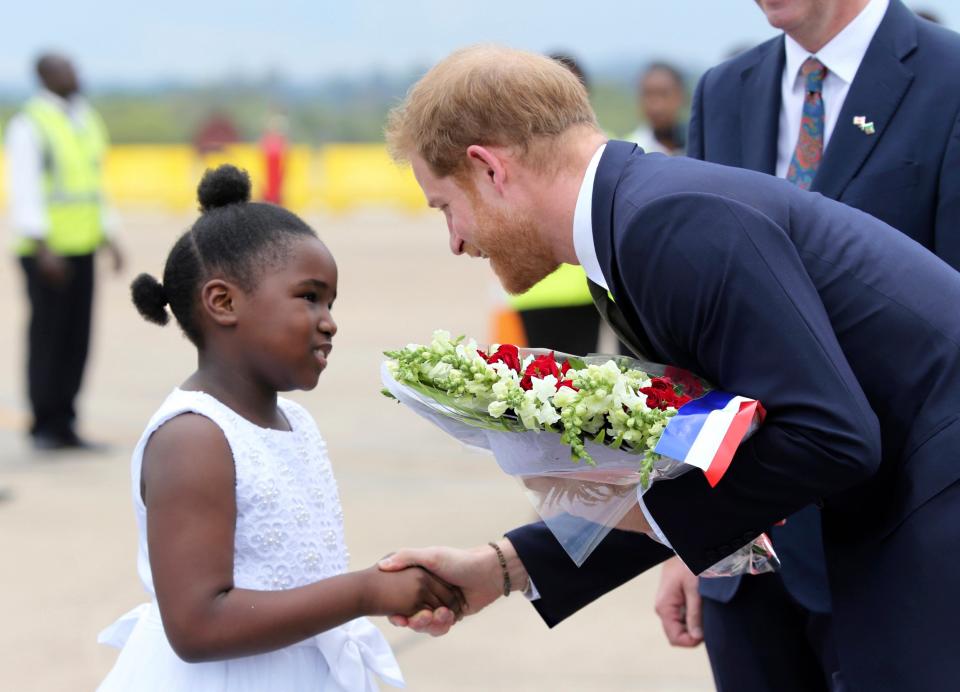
(241,531)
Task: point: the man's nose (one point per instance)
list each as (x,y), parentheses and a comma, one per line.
(456,243)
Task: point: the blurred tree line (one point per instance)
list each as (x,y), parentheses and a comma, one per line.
(333,111)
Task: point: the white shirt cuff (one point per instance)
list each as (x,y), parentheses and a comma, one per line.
(531,593)
(650,520)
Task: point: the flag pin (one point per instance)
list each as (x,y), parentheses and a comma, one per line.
(866,127)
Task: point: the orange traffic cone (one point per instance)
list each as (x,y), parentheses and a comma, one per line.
(506,327)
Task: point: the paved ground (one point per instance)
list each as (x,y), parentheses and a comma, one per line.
(67,536)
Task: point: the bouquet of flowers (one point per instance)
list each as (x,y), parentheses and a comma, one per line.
(585,435)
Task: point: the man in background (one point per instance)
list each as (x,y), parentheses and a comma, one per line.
(661,99)
(852,101)
(54,150)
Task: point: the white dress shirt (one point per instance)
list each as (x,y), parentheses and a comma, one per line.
(24,161)
(842,57)
(586,249)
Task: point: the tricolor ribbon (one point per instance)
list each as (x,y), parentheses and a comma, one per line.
(707,431)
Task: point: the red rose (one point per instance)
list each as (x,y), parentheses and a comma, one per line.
(661,395)
(542,366)
(567,383)
(509,355)
(662,384)
(654,400)
(687,380)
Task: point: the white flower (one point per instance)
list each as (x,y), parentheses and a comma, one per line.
(565,396)
(501,388)
(504,371)
(547,414)
(497,408)
(543,388)
(624,395)
(528,411)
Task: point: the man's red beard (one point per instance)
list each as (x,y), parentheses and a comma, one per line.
(519,255)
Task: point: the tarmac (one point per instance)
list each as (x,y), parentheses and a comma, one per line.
(67,532)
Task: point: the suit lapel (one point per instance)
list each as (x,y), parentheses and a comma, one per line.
(876,93)
(613,162)
(760,110)
(609,169)
(636,342)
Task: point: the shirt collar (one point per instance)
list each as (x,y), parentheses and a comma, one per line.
(844,53)
(583,243)
(60,102)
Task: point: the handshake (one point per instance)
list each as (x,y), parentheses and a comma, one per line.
(450,584)
(454,583)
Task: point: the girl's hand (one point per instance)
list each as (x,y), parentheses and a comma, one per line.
(476,571)
(409,591)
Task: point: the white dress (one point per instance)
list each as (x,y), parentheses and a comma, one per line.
(289,533)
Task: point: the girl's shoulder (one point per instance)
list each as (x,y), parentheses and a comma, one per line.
(181,401)
(298,417)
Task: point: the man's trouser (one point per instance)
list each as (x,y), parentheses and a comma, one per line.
(58,341)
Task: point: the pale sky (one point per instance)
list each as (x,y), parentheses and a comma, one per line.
(125,42)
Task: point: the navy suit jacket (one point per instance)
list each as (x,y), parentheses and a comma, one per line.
(906,174)
(848,332)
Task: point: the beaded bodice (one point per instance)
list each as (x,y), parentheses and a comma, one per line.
(289,527)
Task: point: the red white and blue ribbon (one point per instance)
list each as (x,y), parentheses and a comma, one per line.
(707,431)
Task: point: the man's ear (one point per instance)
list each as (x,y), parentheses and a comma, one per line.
(218,299)
(488,166)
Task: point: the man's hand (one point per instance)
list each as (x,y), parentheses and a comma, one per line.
(678,604)
(116,255)
(53,268)
(476,571)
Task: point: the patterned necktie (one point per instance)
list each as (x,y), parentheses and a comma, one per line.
(809,151)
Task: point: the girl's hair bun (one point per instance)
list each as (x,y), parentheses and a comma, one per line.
(223,185)
(150,298)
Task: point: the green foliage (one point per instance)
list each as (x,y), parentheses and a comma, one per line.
(616,108)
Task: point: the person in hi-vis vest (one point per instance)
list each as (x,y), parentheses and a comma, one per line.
(54,152)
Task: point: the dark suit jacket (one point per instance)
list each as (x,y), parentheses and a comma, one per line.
(906,174)
(849,333)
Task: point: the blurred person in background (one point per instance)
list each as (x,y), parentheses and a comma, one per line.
(661,100)
(852,101)
(214,134)
(558,312)
(54,149)
(273,146)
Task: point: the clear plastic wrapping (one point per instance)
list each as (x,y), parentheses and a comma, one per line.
(580,502)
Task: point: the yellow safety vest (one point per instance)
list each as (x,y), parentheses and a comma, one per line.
(72,179)
(566,287)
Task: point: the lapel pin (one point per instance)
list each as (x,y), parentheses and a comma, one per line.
(866,127)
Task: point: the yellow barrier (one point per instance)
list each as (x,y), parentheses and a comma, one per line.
(336,177)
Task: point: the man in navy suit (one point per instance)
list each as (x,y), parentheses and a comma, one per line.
(846,329)
(885,64)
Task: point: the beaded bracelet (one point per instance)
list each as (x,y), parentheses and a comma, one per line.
(503,566)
